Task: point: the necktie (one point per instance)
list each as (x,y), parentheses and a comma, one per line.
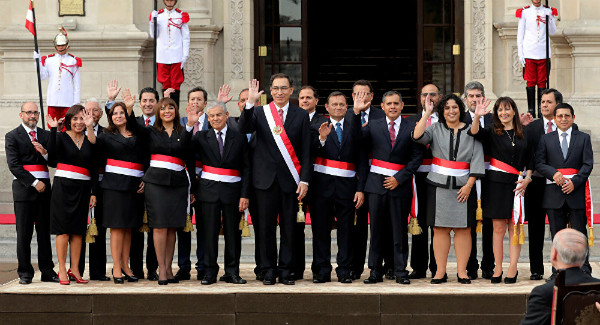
(220,140)
(363,117)
(147,121)
(392,133)
(428,121)
(338,130)
(281,115)
(564,145)
(196,127)
(549,127)
(32,134)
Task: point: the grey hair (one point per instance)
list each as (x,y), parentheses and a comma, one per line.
(475,85)
(92,100)
(217,103)
(571,246)
(390,93)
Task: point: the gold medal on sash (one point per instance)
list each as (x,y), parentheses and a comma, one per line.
(277,130)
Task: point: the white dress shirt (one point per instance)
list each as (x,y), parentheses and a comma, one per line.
(224,131)
(560,138)
(546,125)
(396,124)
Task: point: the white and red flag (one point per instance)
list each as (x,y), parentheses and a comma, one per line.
(29,20)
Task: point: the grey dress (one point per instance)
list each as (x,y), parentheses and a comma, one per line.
(442,190)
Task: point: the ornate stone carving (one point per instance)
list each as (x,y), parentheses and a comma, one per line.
(517,68)
(194,69)
(478,38)
(237,41)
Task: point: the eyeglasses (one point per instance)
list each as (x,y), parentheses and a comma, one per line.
(282,89)
(29,113)
(430,94)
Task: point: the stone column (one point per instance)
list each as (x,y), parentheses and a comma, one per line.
(478,44)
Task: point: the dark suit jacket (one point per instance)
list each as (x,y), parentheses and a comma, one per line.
(235,156)
(348,151)
(267,162)
(535,131)
(539,307)
(318,119)
(374,114)
(19,152)
(406,152)
(549,158)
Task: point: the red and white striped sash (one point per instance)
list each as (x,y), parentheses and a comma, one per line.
(283,142)
(589,202)
(425,166)
(167,162)
(499,166)
(38,171)
(198,167)
(221,174)
(450,168)
(124,168)
(72,172)
(334,167)
(385,168)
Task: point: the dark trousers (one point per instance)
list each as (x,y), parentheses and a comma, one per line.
(30,215)
(136,257)
(184,244)
(487,236)
(421,252)
(324,210)
(212,212)
(387,211)
(536,223)
(255,222)
(299,263)
(359,235)
(576,218)
(273,203)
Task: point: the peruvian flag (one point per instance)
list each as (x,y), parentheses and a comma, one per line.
(29,19)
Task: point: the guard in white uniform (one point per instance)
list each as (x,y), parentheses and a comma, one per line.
(62,70)
(531,42)
(172,45)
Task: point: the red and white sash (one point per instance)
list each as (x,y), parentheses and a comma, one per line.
(38,171)
(124,168)
(72,172)
(385,168)
(198,167)
(283,142)
(589,202)
(221,174)
(425,166)
(334,167)
(450,168)
(518,213)
(499,166)
(167,162)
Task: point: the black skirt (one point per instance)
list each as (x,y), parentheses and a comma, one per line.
(497,199)
(69,206)
(166,205)
(122,209)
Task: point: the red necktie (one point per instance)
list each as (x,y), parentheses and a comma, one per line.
(281,115)
(392,133)
(428,121)
(147,121)
(549,127)
(32,134)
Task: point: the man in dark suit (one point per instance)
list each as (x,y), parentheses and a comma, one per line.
(308,100)
(534,212)
(390,183)
(223,191)
(339,175)
(360,231)
(475,92)
(565,158)
(281,170)
(26,157)
(569,251)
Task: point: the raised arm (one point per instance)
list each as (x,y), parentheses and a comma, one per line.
(247,120)
(480,110)
(422,124)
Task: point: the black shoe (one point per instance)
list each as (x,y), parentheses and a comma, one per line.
(536,276)
(207,280)
(552,277)
(235,279)
(269,281)
(24,280)
(512,280)
(225,278)
(487,274)
(497,279)
(99,278)
(200,275)
(372,279)
(120,280)
(129,278)
(321,278)
(49,278)
(417,275)
(182,275)
(472,275)
(298,275)
(463,281)
(173,280)
(440,281)
(287,281)
(260,277)
(355,275)
(345,279)
(403,280)
(153,276)
(163,282)
(390,274)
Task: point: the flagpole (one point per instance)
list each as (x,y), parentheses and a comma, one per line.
(37,64)
(155,37)
(547,48)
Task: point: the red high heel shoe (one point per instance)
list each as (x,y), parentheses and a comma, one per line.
(66,282)
(78,280)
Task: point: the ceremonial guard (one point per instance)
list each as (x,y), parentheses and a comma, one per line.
(172,45)
(27,156)
(64,80)
(532,48)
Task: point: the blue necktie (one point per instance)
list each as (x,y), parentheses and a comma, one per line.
(338,130)
(363,120)
(564,145)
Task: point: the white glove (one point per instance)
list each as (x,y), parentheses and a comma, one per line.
(154,14)
(36,55)
(183,62)
(522,60)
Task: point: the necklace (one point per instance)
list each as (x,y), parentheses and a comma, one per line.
(512,140)
(75,139)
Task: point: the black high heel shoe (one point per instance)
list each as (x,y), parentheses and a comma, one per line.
(463,281)
(440,281)
(129,278)
(120,280)
(163,282)
(497,279)
(512,280)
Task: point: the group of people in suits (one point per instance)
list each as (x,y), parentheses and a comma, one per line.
(358,165)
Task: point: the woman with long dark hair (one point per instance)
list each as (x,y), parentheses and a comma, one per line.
(74,187)
(505,143)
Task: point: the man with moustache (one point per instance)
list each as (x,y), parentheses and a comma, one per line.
(26,156)
(340,172)
(281,170)
(390,182)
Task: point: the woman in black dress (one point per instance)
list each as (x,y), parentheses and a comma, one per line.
(74,187)
(122,187)
(506,144)
(167,183)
